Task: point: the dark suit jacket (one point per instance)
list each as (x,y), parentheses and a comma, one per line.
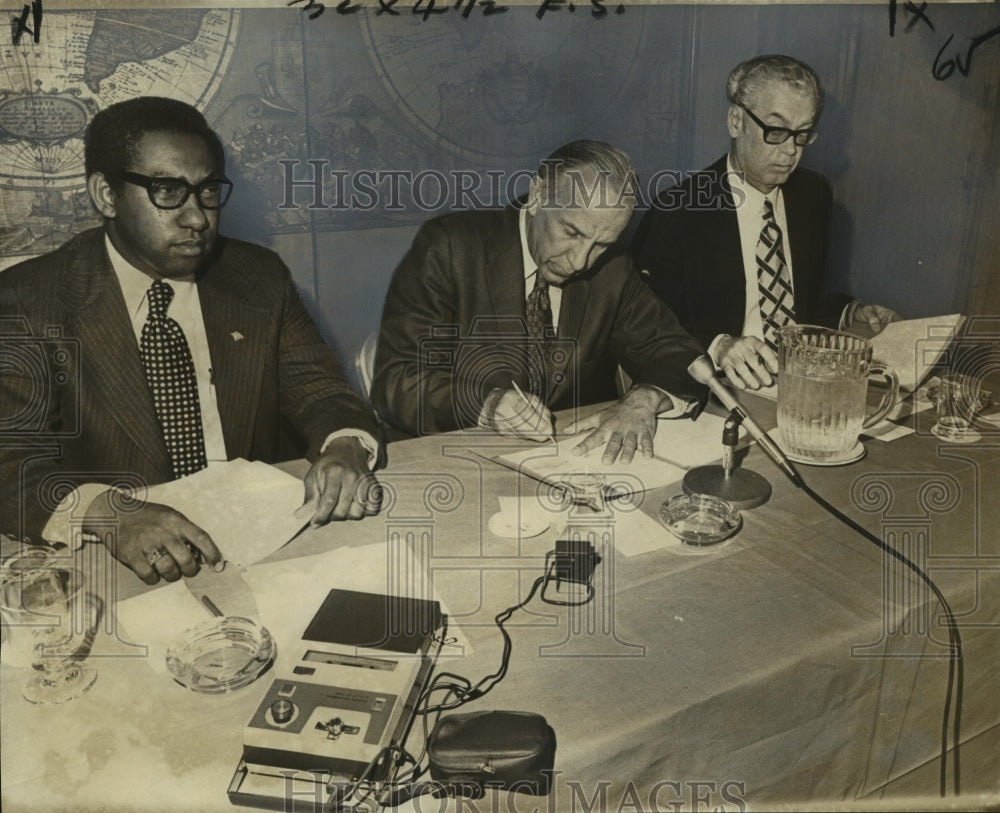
(689,242)
(453,328)
(76,408)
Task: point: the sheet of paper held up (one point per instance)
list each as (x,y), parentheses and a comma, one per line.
(913,346)
(248,508)
(679,445)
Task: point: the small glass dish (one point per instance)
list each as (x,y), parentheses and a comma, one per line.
(586,489)
(221,655)
(700,519)
(934,386)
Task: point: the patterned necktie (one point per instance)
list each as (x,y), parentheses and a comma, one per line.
(170,374)
(774,283)
(539,310)
(539,313)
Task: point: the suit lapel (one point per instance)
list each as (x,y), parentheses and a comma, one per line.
(505,283)
(113,373)
(237,333)
(797,234)
(725,238)
(505,271)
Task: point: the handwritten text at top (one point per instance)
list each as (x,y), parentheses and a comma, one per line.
(425,9)
(942,68)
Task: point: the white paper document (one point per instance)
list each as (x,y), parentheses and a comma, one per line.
(526,516)
(913,346)
(248,508)
(679,445)
(637,532)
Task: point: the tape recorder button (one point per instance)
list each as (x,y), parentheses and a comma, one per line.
(281,711)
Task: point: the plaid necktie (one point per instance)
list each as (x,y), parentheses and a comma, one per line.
(170,374)
(774,283)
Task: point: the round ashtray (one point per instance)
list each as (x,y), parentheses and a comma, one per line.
(221,655)
(700,519)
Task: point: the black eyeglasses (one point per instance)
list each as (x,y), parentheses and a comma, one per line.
(779,135)
(172,193)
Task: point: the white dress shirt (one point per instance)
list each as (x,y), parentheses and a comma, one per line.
(750,216)
(531,269)
(185,309)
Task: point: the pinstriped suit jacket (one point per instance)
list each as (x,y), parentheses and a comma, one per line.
(74,404)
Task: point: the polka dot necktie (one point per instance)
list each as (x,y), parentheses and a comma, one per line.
(774,282)
(170,374)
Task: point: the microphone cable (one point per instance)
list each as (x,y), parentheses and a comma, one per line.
(702,370)
(955,660)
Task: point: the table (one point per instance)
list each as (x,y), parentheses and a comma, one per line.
(794,667)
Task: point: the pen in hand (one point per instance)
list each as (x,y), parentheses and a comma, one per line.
(524,398)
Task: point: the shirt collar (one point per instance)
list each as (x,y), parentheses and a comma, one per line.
(134,282)
(753,198)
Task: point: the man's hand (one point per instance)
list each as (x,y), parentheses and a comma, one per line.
(339,484)
(625,426)
(152,540)
(875,317)
(747,361)
(515,415)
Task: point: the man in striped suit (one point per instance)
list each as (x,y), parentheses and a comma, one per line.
(136,353)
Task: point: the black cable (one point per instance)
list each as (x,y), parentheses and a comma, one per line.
(459,690)
(488,682)
(461,687)
(955,660)
(553,573)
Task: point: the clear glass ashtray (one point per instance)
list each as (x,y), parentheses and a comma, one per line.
(700,519)
(586,488)
(221,655)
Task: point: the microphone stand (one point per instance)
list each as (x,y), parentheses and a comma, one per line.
(741,488)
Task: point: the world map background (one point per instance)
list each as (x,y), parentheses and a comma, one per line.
(487,97)
(352,92)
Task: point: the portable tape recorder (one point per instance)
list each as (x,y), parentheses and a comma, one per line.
(330,722)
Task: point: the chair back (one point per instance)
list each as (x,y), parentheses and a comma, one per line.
(364,364)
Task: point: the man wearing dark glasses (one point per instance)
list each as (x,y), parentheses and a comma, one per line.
(739,250)
(155,345)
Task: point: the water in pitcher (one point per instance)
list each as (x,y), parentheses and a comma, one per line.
(820,418)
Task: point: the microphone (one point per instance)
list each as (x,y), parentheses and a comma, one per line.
(703,371)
